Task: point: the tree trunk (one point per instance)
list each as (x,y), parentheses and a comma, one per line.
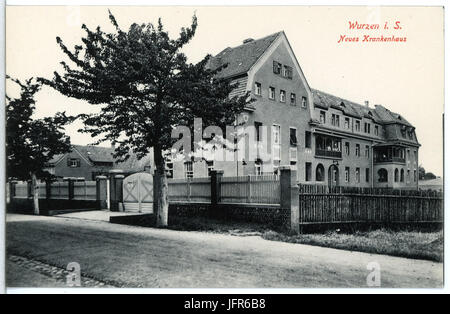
(35,193)
(161,191)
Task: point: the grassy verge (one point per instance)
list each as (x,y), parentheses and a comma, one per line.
(410,244)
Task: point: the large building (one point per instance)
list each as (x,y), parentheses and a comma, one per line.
(327,139)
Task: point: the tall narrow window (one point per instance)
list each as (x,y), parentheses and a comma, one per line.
(358,175)
(376,130)
(282,96)
(257,88)
(307,139)
(347,148)
(272,92)
(293,99)
(367,151)
(293,136)
(308,168)
(358,150)
(347,123)
(357,126)
(188,170)
(304,102)
(322,117)
(367,175)
(347,174)
(258,130)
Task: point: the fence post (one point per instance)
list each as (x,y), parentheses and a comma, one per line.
(249,189)
(114,188)
(215,186)
(71,187)
(29,189)
(101,191)
(48,189)
(289,197)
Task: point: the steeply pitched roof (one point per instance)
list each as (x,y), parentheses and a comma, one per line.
(133,164)
(241,58)
(92,153)
(96,153)
(379,114)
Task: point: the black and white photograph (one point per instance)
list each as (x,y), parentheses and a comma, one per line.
(252,146)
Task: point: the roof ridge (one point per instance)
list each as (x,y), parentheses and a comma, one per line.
(262,38)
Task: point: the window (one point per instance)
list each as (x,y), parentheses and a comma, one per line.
(367,175)
(258,167)
(357,126)
(358,175)
(396,175)
(210,165)
(415,156)
(169,170)
(293,99)
(271,92)
(358,150)
(367,151)
(382,175)
(367,128)
(258,126)
(415,175)
(335,119)
(376,130)
(276,67)
(347,123)
(293,136)
(304,102)
(276,140)
(308,171)
(402,175)
(347,174)
(322,117)
(307,139)
(408,175)
(73,162)
(188,170)
(258,89)
(320,173)
(347,148)
(287,72)
(282,96)
(293,165)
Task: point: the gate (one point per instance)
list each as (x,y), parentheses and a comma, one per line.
(138,193)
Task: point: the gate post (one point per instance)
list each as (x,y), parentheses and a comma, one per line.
(48,189)
(101,191)
(215,186)
(289,198)
(115,196)
(71,187)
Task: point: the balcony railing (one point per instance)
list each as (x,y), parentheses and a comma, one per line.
(328,153)
(389,159)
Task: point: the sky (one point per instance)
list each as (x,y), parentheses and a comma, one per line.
(406,77)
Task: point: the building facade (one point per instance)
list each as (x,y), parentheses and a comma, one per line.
(326,139)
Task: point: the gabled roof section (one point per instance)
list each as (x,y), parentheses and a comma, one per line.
(241,58)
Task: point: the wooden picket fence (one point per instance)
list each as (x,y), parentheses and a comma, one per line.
(83,190)
(322,204)
(263,189)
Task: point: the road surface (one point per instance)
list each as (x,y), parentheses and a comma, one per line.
(127,256)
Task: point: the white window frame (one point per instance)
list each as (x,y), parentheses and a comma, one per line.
(282,95)
(272,95)
(276,145)
(258,89)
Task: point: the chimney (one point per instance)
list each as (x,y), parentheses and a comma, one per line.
(366,102)
(248,40)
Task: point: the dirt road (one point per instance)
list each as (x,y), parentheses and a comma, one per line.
(146,257)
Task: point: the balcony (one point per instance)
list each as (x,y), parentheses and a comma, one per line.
(328,153)
(389,159)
